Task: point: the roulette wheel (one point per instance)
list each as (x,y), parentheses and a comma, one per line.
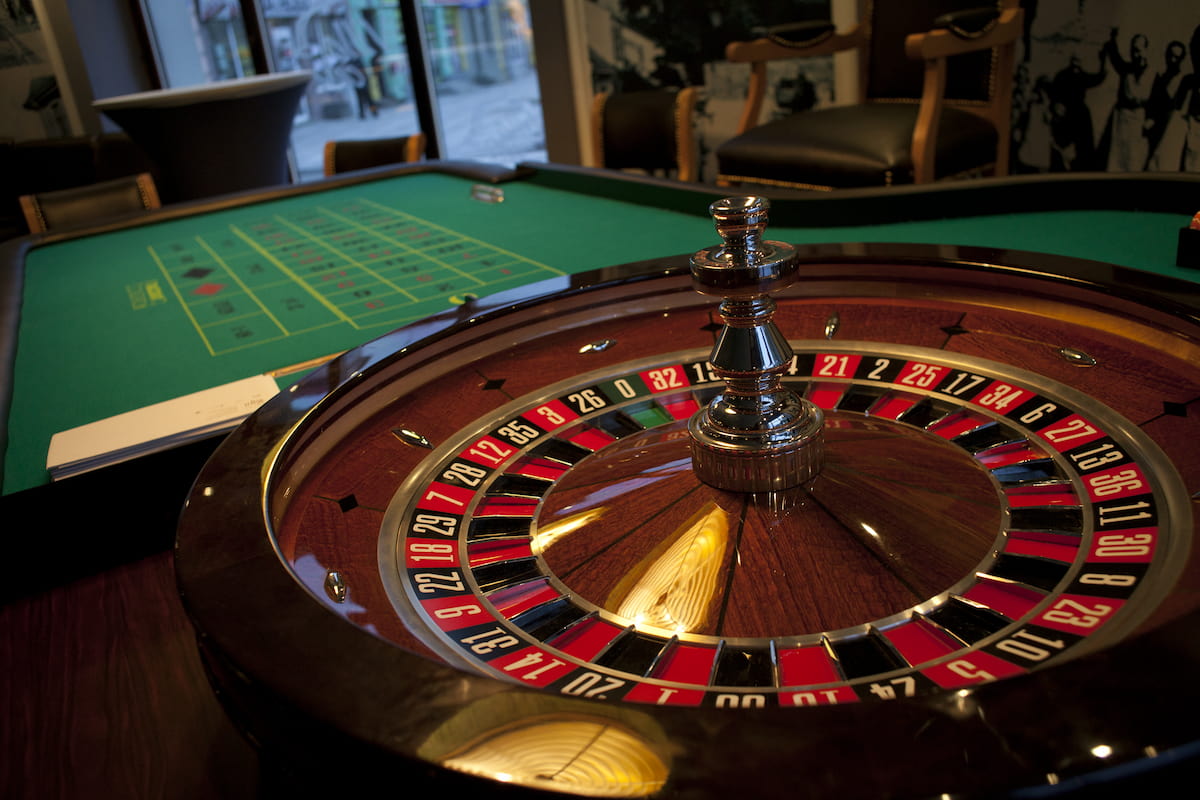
(544,543)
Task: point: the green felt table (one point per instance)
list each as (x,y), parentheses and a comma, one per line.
(127,317)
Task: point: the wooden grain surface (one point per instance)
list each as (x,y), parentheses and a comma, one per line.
(103,695)
(1139,373)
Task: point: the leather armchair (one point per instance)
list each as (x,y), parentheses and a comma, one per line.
(349,155)
(934,100)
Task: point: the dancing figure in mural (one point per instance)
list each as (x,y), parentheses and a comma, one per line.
(1188,103)
(1128,146)
(1072,134)
(1166,128)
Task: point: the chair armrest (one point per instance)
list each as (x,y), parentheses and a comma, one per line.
(801,34)
(802,40)
(970,22)
(819,39)
(933,47)
(951,41)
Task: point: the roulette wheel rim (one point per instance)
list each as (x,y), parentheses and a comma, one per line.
(379,706)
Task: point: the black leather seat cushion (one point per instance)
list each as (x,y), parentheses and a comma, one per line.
(853,146)
(638,130)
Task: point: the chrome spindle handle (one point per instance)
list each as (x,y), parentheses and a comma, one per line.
(756,436)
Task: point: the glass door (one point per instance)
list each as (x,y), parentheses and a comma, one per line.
(196,42)
(361,86)
(482,73)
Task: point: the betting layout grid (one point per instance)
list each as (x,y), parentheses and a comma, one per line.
(359,265)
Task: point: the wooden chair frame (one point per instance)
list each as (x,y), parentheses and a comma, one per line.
(933,47)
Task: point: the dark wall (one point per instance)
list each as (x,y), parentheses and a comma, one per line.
(112,46)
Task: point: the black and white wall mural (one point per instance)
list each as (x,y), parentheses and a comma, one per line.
(30,101)
(1108,85)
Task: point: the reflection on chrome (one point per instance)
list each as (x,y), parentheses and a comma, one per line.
(575,754)
(674,585)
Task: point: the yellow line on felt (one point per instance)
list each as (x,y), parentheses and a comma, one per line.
(182,302)
(414,250)
(234,277)
(453,232)
(349,260)
(337,312)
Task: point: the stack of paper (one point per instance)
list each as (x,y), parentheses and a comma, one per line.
(157,427)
